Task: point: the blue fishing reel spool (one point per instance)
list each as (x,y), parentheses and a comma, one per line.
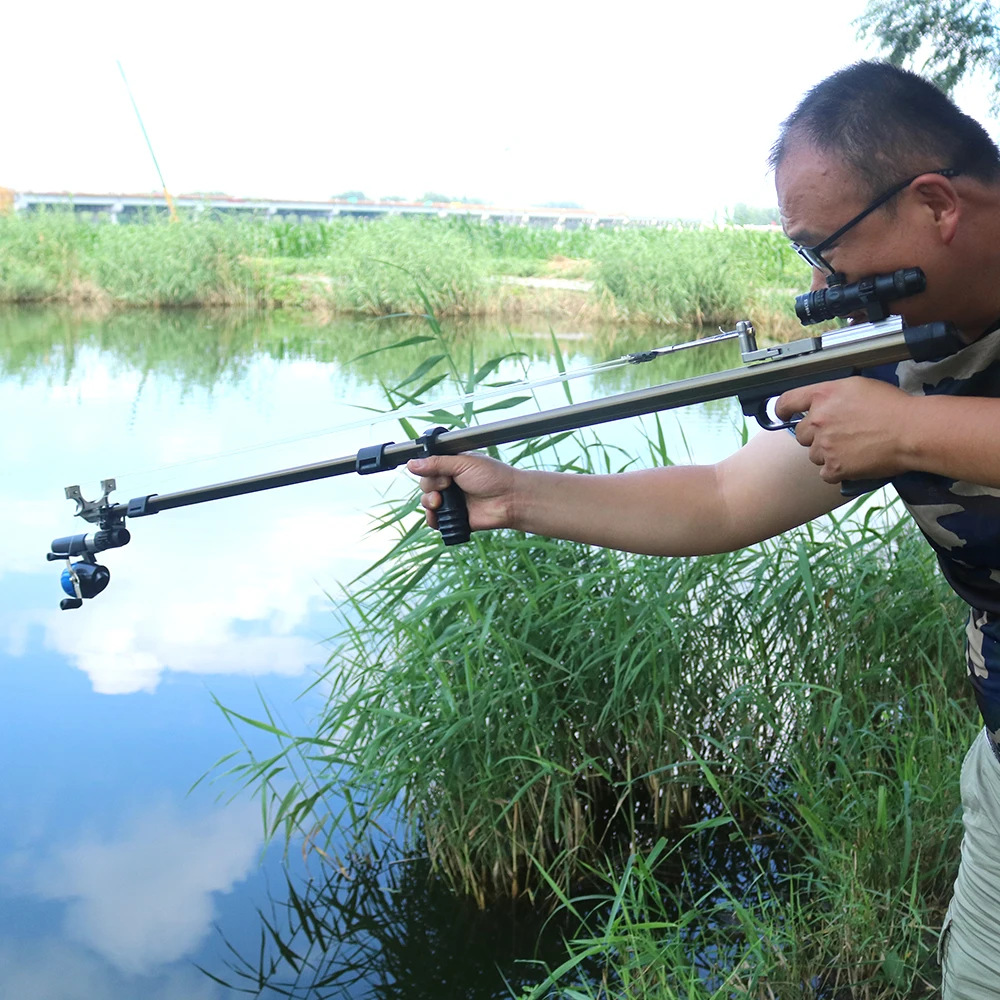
(91,577)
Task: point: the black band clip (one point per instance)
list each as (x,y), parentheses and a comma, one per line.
(137,506)
(372,459)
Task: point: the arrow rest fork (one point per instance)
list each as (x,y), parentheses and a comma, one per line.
(93,511)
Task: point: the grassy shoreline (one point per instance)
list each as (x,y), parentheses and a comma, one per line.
(682,276)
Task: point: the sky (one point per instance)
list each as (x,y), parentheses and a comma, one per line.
(660,108)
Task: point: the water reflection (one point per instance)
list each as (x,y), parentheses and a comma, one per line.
(56,970)
(388,929)
(110,877)
(142,896)
(112,874)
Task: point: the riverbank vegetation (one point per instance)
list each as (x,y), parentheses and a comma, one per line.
(682,275)
(738,772)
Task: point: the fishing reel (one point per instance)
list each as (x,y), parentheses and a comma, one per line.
(86,577)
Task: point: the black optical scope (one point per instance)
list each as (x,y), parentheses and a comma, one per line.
(872,294)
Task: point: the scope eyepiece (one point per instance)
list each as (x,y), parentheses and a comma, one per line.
(873,294)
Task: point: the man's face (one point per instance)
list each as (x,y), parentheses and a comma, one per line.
(817,195)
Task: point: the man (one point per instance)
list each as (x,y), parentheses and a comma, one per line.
(875,170)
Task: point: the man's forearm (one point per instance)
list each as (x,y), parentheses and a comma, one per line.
(957,437)
(765,488)
(670,511)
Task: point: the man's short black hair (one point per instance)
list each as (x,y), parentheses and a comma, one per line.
(885,124)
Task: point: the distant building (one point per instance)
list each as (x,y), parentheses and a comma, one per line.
(118,208)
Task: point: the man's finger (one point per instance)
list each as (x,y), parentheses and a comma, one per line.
(439,465)
(794,401)
(434,483)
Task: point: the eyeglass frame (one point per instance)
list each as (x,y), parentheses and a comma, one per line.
(813,255)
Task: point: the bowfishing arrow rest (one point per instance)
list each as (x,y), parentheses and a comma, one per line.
(767,373)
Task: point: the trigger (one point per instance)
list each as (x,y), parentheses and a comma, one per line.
(768,418)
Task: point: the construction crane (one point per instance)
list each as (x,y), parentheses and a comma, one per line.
(163,183)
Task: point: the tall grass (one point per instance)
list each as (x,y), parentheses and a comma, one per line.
(541,716)
(675,276)
(703,276)
(54,256)
(845,867)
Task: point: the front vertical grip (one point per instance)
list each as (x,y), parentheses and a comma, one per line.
(453,514)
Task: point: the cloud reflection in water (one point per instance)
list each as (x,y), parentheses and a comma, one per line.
(142,898)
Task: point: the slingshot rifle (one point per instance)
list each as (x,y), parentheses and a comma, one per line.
(766,373)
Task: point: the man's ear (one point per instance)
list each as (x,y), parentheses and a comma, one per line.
(937,195)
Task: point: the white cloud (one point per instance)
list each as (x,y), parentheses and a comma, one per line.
(58,970)
(143,898)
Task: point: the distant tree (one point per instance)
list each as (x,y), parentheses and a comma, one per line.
(943,40)
(349,196)
(561,204)
(747,215)
(436,196)
(393,197)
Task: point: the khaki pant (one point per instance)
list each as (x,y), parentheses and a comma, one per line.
(969,948)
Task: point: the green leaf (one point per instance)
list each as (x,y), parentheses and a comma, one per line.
(409,342)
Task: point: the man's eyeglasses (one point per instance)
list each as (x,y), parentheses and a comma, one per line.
(813,255)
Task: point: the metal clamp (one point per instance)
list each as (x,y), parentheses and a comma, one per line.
(428,439)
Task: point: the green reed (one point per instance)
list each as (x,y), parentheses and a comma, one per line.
(54,256)
(681,275)
(698,276)
(835,872)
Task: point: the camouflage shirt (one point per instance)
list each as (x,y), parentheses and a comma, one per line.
(961,520)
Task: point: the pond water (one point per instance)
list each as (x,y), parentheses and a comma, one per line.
(118,878)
